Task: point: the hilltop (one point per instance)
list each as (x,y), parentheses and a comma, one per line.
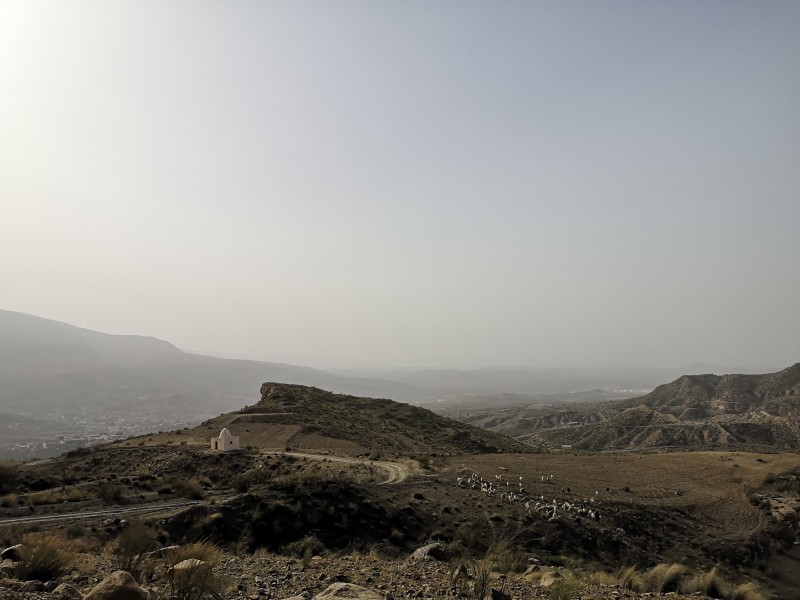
(307,418)
(738,412)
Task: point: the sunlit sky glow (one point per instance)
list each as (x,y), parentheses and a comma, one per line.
(408,183)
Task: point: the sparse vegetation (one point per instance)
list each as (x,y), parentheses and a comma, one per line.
(111,493)
(128,551)
(44,557)
(565,588)
(8,478)
(192,571)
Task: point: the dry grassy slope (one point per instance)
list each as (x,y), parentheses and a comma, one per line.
(303,417)
(700,411)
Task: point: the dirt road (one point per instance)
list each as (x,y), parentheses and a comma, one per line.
(396,472)
(104,513)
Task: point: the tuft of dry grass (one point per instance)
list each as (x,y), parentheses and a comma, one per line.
(710,583)
(748,591)
(56,496)
(44,557)
(664,578)
(194,581)
(566,588)
(602,578)
(204,550)
(128,553)
(629,579)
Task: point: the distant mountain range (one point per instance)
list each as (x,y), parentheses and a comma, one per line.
(62,386)
(694,411)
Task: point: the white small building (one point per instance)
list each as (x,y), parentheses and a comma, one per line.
(226,441)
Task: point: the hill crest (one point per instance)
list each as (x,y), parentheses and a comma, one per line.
(302,417)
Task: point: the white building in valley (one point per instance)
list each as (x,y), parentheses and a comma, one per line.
(226,441)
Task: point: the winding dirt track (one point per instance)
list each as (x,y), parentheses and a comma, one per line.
(396,472)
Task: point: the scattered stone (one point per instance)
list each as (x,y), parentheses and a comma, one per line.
(8,582)
(68,592)
(32,586)
(347,590)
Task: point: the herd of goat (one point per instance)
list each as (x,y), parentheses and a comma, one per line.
(551,509)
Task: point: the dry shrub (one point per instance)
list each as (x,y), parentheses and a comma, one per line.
(56,496)
(475,585)
(204,550)
(305,548)
(111,493)
(748,591)
(9,477)
(507,557)
(566,588)
(44,557)
(709,583)
(629,578)
(128,553)
(664,578)
(198,580)
(602,578)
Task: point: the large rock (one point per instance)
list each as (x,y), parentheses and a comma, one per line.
(12,553)
(8,567)
(120,585)
(430,552)
(68,592)
(347,590)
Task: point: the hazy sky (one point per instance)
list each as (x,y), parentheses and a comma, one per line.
(408,183)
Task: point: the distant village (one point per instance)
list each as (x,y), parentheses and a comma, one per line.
(62,433)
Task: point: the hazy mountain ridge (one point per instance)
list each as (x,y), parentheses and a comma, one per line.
(96,386)
(697,411)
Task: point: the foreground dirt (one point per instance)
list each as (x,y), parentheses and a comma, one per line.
(273,577)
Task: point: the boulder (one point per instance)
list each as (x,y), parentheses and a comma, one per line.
(8,567)
(120,585)
(32,586)
(430,552)
(14,584)
(68,592)
(12,553)
(347,590)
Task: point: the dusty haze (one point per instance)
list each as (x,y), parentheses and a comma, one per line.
(447,184)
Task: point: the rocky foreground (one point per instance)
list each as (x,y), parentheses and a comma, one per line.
(275,577)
